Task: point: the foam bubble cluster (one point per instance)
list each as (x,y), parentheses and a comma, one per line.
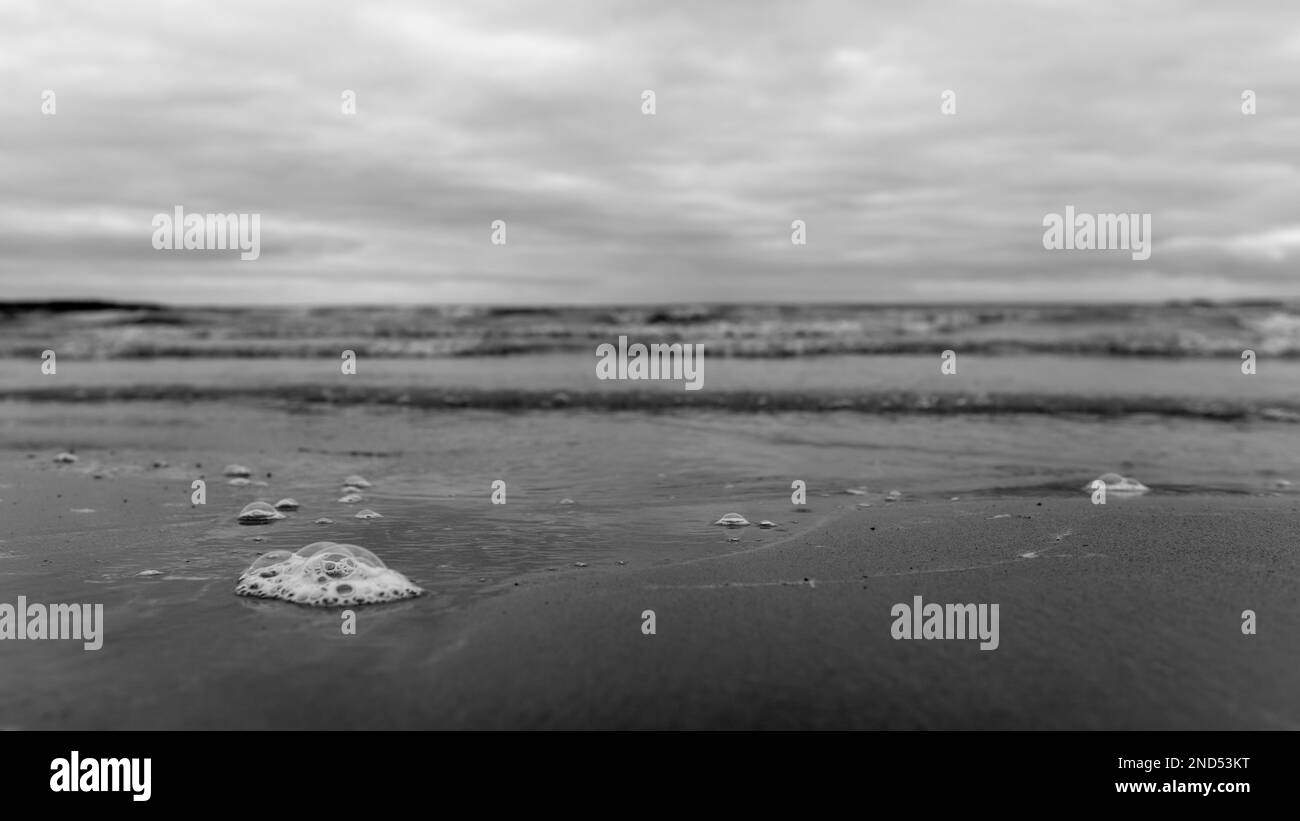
(325,574)
(1116,483)
(257,513)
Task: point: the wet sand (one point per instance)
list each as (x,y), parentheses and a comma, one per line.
(1123,616)
(1131,619)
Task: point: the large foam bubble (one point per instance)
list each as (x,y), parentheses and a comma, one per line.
(1116,483)
(258,513)
(325,574)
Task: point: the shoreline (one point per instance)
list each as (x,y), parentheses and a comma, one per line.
(797,635)
(534,615)
(1127,615)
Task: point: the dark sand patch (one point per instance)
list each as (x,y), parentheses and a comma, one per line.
(1130,620)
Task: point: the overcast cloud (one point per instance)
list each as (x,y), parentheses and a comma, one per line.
(530,113)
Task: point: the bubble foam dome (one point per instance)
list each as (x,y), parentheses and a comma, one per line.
(1116,483)
(257,513)
(325,574)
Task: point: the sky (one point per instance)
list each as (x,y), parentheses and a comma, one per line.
(532,113)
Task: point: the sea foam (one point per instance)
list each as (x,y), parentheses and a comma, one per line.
(1116,483)
(257,513)
(325,574)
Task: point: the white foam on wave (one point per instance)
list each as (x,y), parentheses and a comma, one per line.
(325,574)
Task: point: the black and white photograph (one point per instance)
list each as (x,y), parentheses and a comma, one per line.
(628,365)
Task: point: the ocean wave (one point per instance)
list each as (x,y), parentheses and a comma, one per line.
(735,401)
(1196,329)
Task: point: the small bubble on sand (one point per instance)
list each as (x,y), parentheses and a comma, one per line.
(350,499)
(766,525)
(287,504)
(83,510)
(893,496)
(325,574)
(356,481)
(367,514)
(237,470)
(240,482)
(149,573)
(567,502)
(855,491)
(733,520)
(1116,483)
(257,513)
(65,458)
(1001,516)
(159,463)
(579,564)
(324,521)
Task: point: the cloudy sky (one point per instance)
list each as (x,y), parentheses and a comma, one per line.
(531,113)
